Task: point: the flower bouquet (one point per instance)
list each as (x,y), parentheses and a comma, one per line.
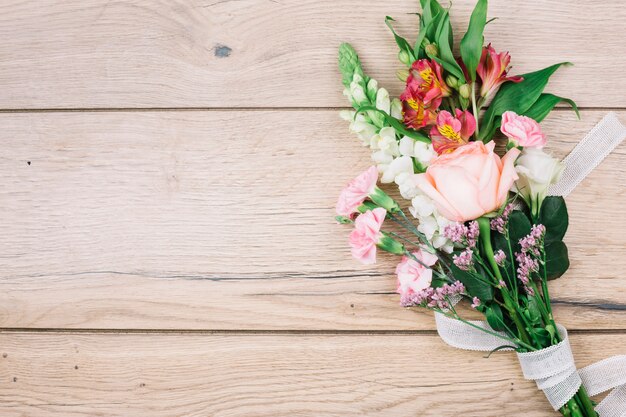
(485,227)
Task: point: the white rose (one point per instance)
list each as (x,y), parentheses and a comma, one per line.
(537,171)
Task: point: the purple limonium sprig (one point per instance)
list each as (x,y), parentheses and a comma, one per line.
(527,259)
(500,257)
(465,260)
(461,234)
(434,297)
(475,303)
(499,223)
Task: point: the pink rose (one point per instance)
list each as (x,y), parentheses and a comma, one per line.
(367,234)
(356,192)
(470,181)
(414,277)
(522,130)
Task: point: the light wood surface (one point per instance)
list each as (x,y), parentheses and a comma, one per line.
(261,53)
(267,375)
(224,220)
(167,245)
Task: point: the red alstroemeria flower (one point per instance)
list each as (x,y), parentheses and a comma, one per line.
(416,112)
(426,77)
(492,70)
(452,132)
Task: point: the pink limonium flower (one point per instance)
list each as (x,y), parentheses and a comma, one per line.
(465,260)
(475,303)
(356,192)
(492,70)
(366,235)
(415,275)
(452,132)
(499,257)
(522,130)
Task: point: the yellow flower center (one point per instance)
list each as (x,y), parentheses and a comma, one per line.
(418,106)
(448,132)
(429,78)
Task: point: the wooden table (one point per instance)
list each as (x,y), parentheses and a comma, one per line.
(167,245)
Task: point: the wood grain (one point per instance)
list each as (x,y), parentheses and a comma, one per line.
(224,220)
(260,53)
(267,375)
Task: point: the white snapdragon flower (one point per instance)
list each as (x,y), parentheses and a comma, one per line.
(386,147)
(360,126)
(357,92)
(537,171)
(396,109)
(422,152)
(401,166)
(431,223)
(382,101)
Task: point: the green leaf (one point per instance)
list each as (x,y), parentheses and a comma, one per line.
(494,316)
(402,43)
(348,63)
(545,104)
(553,215)
(517,97)
(446,57)
(396,124)
(476,285)
(473,40)
(534,314)
(418,50)
(557,260)
(519,227)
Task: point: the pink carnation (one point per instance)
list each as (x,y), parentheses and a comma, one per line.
(522,130)
(356,192)
(367,234)
(413,276)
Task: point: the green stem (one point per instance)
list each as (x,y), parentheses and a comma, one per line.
(586,402)
(485,238)
(475,109)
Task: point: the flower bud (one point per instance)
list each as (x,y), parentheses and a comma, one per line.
(402,74)
(389,244)
(431,50)
(465,91)
(403,56)
(382,199)
(372,89)
(396,109)
(452,81)
(382,100)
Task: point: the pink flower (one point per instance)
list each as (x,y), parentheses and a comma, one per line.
(367,234)
(416,113)
(425,88)
(522,130)
(470,181)
(426,77)
(414,277)
(356,192)
(492,70)
(452,132)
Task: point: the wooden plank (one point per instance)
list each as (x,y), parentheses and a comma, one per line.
(253,53)
(267,375)
(224,220)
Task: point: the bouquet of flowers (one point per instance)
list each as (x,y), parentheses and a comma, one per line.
(485,227)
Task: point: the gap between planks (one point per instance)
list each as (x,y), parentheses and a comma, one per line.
(248,332)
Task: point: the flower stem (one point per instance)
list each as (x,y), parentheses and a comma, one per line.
(475,108)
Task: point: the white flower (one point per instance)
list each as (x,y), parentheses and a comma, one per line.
(422,152)
(407,185)
(372,88)
(537,171)
(356,91)
(399,166)
(396,109)
(386,147)
(382,101)
(422,206)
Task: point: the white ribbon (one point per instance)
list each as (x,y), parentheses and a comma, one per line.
(553,368)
